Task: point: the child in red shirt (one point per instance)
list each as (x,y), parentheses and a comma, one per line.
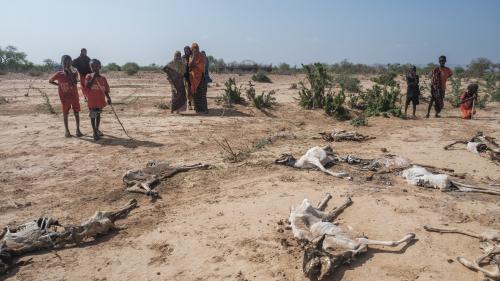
(68,93)
(97,91)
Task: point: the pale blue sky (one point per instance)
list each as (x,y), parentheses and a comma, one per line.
(272,31)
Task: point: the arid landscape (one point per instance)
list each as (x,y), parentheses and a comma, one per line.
(226,222)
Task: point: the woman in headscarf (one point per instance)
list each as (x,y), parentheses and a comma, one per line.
(197,76)
(175,74)
(467,100)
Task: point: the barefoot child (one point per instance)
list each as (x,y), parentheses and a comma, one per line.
(68,93)
(97,91)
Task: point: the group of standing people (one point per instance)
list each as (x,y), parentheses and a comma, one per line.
(189,77)
(439,77)
(94,88)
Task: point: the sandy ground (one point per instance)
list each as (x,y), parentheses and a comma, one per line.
(221,223)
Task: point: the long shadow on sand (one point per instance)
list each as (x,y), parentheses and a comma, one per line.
(221,112)
(364,257)
(27,257)
(108,140)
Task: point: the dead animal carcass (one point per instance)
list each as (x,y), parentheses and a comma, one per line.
(315,158)
(329,245)
(490,245)
(481,144)
(43,233)
(420,176)
(144,180)
(343,135)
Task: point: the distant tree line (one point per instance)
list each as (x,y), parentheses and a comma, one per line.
(12,60)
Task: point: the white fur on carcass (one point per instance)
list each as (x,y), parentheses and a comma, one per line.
(307,224)
(317,157)
(419,176)
(472,147)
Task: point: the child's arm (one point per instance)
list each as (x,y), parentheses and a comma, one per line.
(53,79)
(107,90)
(91,80)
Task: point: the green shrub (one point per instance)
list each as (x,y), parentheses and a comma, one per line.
(232,93)
(381,100)
(386,79)
(360,120)
(456,91)
(264,100)
(130,68)
(334,106)
(113,67)
(320,83)
(348,83)
(492,87)
(261,77)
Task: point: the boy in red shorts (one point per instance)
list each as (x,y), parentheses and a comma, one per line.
(97,92)
(68,93)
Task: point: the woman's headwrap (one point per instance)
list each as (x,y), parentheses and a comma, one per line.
(176,64)
(472,88)
(195,46)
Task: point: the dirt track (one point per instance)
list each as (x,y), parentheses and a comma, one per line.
(221,224)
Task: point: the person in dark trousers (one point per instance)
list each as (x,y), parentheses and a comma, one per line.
(82,65)
(413,90)
(186,58)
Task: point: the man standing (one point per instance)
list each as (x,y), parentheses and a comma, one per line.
(186,58)
(82,64)
(439,77)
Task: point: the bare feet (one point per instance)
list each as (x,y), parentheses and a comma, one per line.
(78,133)
(99,133)
(67,134)
(96,136)
(437,115)
(427,116)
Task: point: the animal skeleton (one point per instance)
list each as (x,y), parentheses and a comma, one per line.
(481,144)
(316,157)
(42,233)
(419,176)
(344,135)
(490,244)
(144,180)
(332,245)
(388,163)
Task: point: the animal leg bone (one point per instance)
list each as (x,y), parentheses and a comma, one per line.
(469,188)
(408,237)
(335,212)
(320,166)
(493,274)
(324,202)
(453,230)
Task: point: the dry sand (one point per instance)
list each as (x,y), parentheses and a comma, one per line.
(221,224)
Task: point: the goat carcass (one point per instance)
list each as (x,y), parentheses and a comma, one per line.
(338,136)
(42,233)
(420,176)
(316,157)
(480,144)
(331,244)
(144,180)
(490,244)
(388,163)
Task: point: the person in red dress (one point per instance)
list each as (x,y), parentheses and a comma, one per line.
(467,100)
(66,82)
(97,96)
